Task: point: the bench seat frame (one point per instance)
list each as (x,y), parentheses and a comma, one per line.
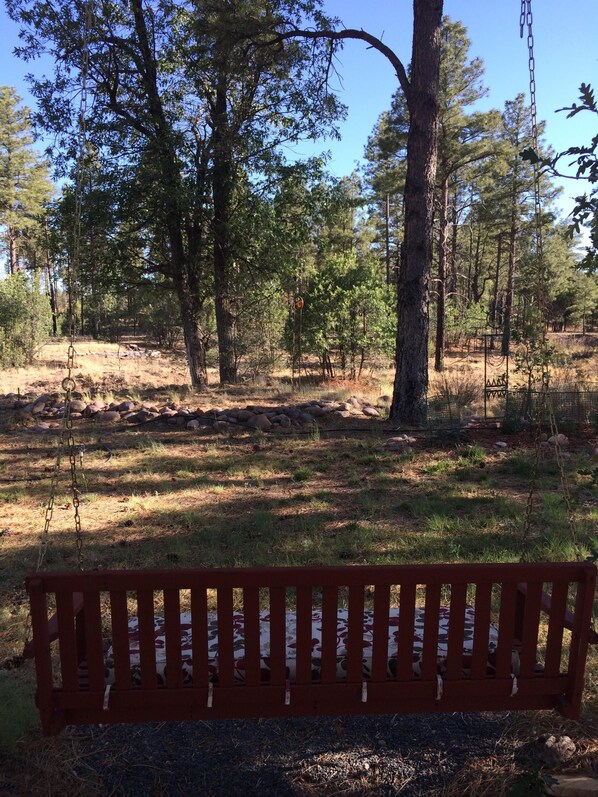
(530,594)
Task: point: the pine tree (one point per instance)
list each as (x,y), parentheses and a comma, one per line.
(25,188)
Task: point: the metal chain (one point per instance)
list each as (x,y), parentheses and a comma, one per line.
(545,404)
(66,433)
(68,383)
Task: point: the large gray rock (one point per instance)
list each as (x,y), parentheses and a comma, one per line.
(260,422)
(371,412)
(126,406)
(558,440)
(93,408)
(110,416)
(77,405)
(341,414)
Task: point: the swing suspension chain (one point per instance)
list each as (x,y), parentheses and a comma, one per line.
(545,404)
(68,383)
(527,18)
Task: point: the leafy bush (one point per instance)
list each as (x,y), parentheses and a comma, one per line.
(25,320)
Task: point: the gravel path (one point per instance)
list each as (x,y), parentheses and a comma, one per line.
(383,756)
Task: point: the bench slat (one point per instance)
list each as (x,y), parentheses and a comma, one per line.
(531,623)
(506,629)
(481,630)
(406,627)
(329,632)
(93,639)
(277,636)
(120,639)
(456,632)
(381,633)
(172,620)
(147,651)
(68,642)
(226,666)
(355,635)
(199,640)
(251,623)
(556,626)
(431,621)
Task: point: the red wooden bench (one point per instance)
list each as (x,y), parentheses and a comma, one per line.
(523,647)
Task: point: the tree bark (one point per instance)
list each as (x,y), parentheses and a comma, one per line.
(411,378)
(441,280)
(510,291)
(494,304)
(223,265)
(453,279)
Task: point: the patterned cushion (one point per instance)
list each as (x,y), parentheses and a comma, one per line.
(316,629)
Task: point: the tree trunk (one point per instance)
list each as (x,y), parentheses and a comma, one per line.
(52,292)
(411,378)
(494,304)
(13,258)
(184,262)
(192,331)
(441,281)
(509,294)
(476,292)
(453,279)
(222,198)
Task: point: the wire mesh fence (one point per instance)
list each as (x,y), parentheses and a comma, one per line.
(573,409)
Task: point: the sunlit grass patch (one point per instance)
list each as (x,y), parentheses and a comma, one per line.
(12,495)
(304,474)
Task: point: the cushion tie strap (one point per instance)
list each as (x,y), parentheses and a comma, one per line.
(106,697)
(364,691)
(514,688)
(210,695)
(439,687)
(287,692)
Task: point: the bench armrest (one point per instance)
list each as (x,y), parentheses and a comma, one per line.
(29,649)
(546,606)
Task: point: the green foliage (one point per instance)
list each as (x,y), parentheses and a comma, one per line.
(585,158)
(25,188)
(464,322)
(25,320)
(347,313)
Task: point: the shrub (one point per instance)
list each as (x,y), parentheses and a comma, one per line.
(461,388)
(25,320)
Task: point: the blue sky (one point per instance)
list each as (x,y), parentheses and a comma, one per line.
(565,48)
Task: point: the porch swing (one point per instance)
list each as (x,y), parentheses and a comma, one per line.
(367,639)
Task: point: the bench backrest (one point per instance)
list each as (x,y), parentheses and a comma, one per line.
(542,612)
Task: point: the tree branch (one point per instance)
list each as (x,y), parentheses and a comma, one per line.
(353,33)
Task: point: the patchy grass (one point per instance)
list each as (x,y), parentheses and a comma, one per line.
(172,499)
